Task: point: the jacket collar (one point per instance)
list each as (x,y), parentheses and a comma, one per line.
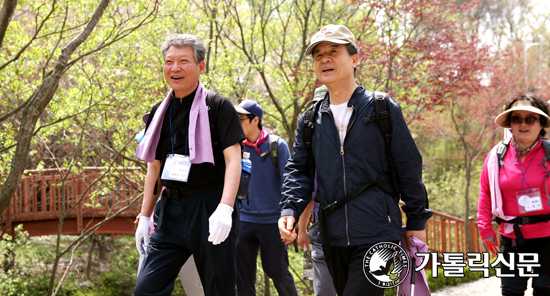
(356,98)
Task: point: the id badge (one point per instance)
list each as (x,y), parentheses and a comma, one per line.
(529,200)
(176,168)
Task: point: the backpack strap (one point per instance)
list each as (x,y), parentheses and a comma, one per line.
(308,129)
(381,116)
(502,147)
(212,115)
(273,152)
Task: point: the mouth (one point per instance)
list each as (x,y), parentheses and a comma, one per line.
(327,70)
(176,77)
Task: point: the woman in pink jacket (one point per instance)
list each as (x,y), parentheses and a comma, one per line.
(514,190)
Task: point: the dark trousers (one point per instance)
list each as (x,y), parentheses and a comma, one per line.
(266,238)
(517,285)
(347,272)
(184,231)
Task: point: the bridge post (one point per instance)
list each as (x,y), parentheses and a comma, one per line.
(474,234)
(443,235)
(79,190)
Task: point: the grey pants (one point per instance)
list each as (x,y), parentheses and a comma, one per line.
(322,281)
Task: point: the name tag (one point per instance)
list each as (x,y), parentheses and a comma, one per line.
(176,168)
(529,200)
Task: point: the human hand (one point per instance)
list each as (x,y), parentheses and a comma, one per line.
(142,234)
(286,228)
(303,239)
(420,234)
(219,224)
(490,244)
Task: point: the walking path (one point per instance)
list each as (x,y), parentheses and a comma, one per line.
(481,287)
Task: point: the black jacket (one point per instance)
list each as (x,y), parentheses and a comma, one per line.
(373,216)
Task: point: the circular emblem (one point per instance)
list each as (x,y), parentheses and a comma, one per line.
(386,265)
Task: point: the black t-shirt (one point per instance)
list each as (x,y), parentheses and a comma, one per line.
(225,130)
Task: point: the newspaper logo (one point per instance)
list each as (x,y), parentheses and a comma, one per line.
(386,265)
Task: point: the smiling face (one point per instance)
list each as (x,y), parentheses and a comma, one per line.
(333,64)
(524,133)
(182,71)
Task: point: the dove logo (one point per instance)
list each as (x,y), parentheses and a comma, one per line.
(386,265)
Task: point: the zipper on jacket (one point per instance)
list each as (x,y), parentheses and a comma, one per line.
(344,167)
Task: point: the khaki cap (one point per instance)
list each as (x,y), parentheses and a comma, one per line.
(331,33)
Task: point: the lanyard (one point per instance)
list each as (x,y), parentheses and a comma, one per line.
(171,132)
(524,172)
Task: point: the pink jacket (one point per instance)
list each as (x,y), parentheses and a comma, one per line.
(497,193)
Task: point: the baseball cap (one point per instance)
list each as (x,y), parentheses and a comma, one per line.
(338,34)
(250,107)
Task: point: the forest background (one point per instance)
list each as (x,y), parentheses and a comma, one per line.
(77,76)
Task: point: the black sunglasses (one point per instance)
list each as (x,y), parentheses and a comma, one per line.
(529,120)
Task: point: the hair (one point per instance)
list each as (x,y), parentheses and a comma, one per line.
(251,117)
(536,101)
(181,40)
(352,49)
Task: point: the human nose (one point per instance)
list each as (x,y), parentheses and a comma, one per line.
(325,59)
(176,66)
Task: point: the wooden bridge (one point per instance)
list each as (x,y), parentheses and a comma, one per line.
(84,197)
(90,195)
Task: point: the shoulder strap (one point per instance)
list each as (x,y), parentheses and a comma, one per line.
(381,104)
(308,129)
(212,116)
(502,147)
(273,152)
(546,145)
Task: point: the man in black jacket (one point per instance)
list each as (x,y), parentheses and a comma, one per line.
(349,153)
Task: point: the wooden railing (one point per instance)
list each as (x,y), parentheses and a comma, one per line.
(85,197)
(445,233)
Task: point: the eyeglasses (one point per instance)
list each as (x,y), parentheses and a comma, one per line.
(529,120)
(243,118)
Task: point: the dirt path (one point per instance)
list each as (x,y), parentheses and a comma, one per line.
(481,287)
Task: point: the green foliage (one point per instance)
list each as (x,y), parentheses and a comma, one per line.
(121,277)
(445,189)
(18,276)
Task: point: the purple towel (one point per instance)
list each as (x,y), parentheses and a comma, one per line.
(420,282)
(200,146)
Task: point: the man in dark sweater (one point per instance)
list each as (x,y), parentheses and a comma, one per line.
(259,214)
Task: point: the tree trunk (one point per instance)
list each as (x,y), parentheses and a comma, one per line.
(101,247)
(467,204)
(8,8)
(90,255)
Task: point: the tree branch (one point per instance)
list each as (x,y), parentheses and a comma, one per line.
(15,110)
(8,8)
(20,52)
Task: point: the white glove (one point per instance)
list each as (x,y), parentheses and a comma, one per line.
(219,224)
(142,234)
